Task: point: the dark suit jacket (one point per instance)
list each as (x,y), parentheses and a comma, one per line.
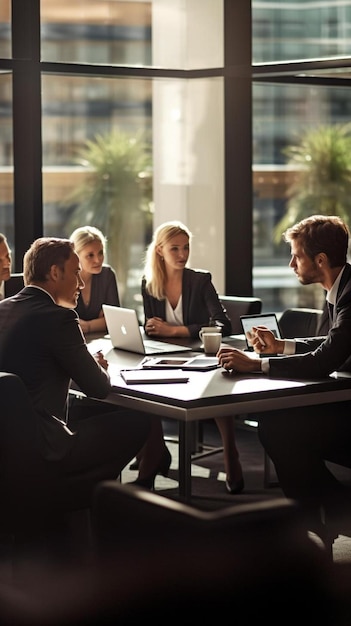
(43,344)
(319,356)
(200,302)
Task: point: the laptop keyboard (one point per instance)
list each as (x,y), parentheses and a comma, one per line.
(154,345)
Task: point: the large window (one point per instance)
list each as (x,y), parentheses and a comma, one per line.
(172,84)
(290,100)
(168,131)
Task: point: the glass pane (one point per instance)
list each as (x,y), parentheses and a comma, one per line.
(188,138)
(282,115)
(128,154)
(5,29)
(126,32)
(6,161)
(96,31)
(97,165)
(285,30)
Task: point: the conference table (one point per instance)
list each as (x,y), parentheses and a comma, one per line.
(210,394)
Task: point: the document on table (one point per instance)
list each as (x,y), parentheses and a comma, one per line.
(143,376)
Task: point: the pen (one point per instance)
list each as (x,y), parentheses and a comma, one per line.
(259,338)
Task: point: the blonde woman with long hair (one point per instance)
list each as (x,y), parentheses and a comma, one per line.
(178,301)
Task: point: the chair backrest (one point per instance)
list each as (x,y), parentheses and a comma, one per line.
(189,561)
(121,511)
(236,306)
(13,285)
(299,322)
(26,479)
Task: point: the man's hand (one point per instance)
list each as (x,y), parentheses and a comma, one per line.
(100,359)
(264,341)
(237,360)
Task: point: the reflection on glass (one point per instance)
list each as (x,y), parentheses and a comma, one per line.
(5,29)
(96,31)
(159,33)
(6,160)
(300,30)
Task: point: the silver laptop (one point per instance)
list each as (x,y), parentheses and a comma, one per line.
(125,333)
(260,319)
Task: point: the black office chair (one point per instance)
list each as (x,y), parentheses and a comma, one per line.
(14,284)
(193,564)
(162,561)
(236,306)
(300,322)
(33,496)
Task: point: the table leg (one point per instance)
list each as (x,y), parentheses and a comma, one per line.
(184,469)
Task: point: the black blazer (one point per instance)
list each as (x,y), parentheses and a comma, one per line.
(104,290)
(319,356)
(200,302)
(42,343)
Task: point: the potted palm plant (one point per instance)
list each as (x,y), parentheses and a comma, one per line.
(115,194)
(322,185)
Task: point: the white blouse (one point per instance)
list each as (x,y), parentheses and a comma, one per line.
(174,316)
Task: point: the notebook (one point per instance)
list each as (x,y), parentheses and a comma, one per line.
(125,333)
(260,319)
(142,377)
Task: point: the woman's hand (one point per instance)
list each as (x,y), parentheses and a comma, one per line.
(157,327)
(85,326)
(237,360)
(154,325)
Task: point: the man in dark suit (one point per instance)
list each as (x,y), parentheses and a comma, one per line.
(41,341)
(300,441)
(5,264)
(9,283)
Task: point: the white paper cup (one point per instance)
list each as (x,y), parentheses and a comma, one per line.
(208,329)
(212,342)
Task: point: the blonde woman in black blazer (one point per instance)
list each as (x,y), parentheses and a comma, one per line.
(178,301)
(100,281)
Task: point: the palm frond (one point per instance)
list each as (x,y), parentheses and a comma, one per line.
(322,161)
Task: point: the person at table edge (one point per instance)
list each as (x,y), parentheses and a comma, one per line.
(301,440)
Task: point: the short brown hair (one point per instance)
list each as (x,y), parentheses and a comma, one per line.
(322,233)
(42,255)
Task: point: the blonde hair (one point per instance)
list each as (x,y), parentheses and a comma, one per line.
(84,235)
(154,268)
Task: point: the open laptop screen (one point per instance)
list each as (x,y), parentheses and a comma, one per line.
(262,319)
